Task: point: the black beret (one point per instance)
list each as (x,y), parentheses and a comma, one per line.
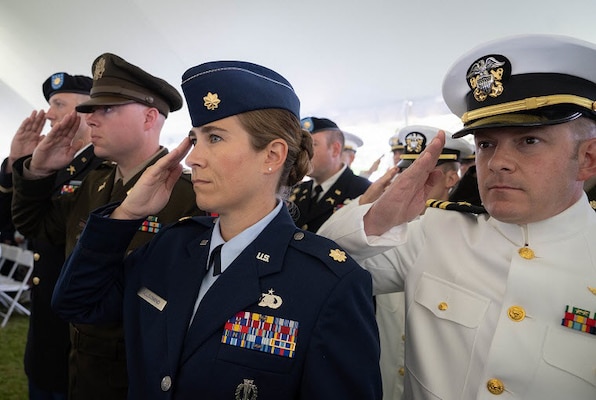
(220,89)
(116,81)
(314,124)
(65,83)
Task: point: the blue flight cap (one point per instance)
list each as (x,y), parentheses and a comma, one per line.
(220,89)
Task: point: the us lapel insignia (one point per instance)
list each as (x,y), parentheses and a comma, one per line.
(101,187)
(263,257)
(152,298)
(579,320)
(338,255)
(330,200)
(247,390)
(204,242)
(270,300)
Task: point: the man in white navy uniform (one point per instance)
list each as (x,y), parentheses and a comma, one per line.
(497,304)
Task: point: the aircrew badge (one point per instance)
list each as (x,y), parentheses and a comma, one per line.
(211,101)
(579,320)
(247,390)
(485,76)
(57,80)
(261,332)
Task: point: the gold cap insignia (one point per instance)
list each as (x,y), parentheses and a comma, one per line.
(485,76)
(100,68)
(338,255)
(211,101)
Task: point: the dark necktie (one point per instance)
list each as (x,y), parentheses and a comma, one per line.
(318,189)
(215,260)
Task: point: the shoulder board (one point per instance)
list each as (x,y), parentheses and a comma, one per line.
(460,206)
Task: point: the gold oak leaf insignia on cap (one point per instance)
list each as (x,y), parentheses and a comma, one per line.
(211,101)
(100,68)
(338,255)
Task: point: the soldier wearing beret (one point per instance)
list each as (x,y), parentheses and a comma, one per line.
(333,183)
(48,340)
(501,303)
(126,111)
(242,306)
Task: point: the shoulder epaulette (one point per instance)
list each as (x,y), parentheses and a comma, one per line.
(460,206)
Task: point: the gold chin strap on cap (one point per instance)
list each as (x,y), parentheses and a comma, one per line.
(531,103)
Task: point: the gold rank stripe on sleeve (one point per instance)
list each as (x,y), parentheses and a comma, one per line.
(455,206)
(261,332)
(579,320)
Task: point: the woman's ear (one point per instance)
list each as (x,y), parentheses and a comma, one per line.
(276,154)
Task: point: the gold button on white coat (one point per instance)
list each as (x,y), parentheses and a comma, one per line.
(166,383)
(516,313)
(443,306)
(401,371)
(495,386)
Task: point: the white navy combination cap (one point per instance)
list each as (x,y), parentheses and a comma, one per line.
(416,137)
(351,141)
(524,80)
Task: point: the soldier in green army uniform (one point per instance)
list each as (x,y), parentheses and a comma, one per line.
(126,113)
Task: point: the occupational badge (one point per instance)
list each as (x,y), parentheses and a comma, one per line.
(247,390)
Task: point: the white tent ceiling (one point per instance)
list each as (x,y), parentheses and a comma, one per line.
(369,65)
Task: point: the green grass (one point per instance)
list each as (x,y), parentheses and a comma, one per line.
(13,381)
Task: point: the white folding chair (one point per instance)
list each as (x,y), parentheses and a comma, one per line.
(12,285)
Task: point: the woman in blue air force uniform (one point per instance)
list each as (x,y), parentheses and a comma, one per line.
(291,314)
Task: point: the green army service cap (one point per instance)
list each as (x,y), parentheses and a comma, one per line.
(116,81)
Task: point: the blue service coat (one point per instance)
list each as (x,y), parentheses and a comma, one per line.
(335,348)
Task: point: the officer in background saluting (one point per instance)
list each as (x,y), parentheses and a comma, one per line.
(48,340)
(126,112)
(333,183)
(243,306)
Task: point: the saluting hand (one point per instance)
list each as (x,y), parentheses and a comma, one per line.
(152,191)
(27,137)
(405,198)
(57,148)
(376,189)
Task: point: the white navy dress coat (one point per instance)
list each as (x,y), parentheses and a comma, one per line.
(323,299)
(485,320)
